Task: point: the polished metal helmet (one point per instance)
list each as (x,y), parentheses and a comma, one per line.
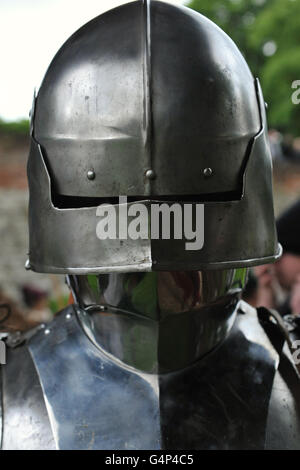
(154,102)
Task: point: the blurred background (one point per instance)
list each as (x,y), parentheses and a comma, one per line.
(31,31)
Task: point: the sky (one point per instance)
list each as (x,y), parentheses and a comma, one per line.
(31,32)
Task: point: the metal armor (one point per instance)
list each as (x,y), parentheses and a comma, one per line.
(153,102)
(62,390)
(156,103)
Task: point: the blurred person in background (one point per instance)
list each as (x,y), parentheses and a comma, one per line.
(278,285)
(37,302)
(275,139)
(12,317)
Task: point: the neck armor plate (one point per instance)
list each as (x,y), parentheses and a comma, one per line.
(158,322)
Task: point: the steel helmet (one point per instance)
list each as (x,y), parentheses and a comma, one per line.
(154,102)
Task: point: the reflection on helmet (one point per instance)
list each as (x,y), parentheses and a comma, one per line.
(158,321)
(159,294)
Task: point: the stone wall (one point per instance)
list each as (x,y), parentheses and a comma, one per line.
(13,223)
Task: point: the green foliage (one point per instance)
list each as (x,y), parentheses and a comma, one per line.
(19,128)
(252,24)
(57,304)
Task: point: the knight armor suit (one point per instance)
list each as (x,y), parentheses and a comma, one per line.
(153,102)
